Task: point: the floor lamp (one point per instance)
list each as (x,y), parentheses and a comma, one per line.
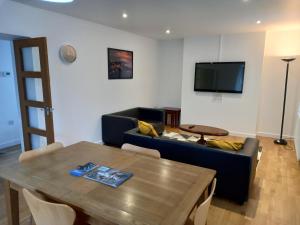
(281,141)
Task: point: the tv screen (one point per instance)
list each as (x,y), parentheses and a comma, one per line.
(219,77)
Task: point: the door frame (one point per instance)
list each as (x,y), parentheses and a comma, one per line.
(12,38)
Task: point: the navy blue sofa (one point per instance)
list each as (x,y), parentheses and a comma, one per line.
(115,124)
(235,170)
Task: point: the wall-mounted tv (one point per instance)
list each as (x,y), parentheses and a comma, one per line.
(225,77)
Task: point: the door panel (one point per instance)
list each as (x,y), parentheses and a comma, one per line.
(34,92)
(36,118)
(37,141)
(34,89)
(31,59)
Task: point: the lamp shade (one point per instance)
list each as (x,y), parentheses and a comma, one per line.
(283,43)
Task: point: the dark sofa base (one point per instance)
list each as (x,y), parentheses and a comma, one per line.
(235,170)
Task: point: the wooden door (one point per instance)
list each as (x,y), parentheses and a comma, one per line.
(34,92)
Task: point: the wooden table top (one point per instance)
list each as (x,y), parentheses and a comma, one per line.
(161,192)
(204,130)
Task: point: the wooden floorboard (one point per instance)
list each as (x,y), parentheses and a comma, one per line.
(274,199)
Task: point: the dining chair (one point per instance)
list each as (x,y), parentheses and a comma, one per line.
(46,213)
(140,150)
(199,215)
(25,156)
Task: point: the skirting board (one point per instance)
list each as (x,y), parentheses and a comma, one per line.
(272,135)
(241,134)
(10,143)
(262,134)
(100,142)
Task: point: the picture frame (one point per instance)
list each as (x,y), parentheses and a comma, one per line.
(120,64)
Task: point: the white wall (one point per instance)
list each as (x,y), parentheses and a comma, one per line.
(273,81)
(234,112)
(170,72)
(81,92)
(9,115)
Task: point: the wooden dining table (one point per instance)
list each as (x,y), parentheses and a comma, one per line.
(161,192)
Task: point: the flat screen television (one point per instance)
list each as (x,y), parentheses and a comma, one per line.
(225,77)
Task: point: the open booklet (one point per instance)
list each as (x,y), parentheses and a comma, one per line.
(179,137)
(102,174)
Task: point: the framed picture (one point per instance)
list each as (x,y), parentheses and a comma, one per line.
(120,64)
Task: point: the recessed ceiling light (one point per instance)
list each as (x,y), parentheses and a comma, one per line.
(168,31)
(124,15)
(245,0)
(59,1)
(258,22)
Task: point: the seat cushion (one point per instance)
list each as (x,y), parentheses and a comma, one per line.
(158,126)
(225,145)
(147,129)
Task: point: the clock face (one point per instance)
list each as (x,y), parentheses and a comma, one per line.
(68,53)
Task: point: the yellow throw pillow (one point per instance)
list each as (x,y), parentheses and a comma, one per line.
(226,145)
(147,129)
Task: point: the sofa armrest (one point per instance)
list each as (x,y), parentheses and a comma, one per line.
(113,128)
(250,149)
(150,114)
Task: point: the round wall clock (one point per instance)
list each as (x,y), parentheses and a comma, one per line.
(67,53)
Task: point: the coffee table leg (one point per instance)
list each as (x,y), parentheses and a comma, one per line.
(12,204)
(202,140)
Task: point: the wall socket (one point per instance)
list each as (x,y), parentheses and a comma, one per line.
(4,74)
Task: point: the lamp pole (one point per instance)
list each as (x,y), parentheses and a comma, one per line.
(281,141)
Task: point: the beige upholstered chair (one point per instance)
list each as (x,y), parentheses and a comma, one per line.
(39,152)
(143,151)
(199,215)
(46,213)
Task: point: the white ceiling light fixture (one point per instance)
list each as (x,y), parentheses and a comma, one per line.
(124,15)
(58,1)
(168,31)
(258,22)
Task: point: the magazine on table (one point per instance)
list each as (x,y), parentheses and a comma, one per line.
(102,174)
(83,169)
(109,176)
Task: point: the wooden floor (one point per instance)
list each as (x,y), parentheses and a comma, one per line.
(274,200)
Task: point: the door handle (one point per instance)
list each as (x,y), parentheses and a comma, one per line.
(48,110)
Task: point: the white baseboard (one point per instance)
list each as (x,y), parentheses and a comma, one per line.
(242,134)
(10,143)
(100,142)
(272,135)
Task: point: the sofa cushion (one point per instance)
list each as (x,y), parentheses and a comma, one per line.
(225,145)
(147,129)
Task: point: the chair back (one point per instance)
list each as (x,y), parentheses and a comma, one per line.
(202,211)
(25,156)
(143,151)
(46,213)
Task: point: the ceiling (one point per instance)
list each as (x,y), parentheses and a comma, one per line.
(184,18)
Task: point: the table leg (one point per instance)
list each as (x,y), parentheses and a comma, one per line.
(12,204)
(202,140)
